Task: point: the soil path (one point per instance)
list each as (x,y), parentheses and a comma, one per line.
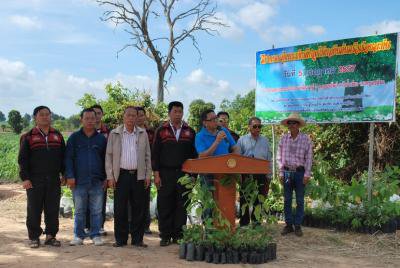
(318,248)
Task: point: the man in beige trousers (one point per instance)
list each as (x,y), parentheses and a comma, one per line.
(128,168)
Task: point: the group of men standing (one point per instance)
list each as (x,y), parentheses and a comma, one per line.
(125,159)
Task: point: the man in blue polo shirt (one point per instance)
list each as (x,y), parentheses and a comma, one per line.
(213,140)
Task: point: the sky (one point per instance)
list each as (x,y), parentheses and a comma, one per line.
(54,51)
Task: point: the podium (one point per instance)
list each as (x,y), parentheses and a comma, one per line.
(218,166)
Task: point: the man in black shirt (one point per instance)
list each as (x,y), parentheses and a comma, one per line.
(40,160)
(173,145)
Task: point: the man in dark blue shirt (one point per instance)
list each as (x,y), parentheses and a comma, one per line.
(85,173)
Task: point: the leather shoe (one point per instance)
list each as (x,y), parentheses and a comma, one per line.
(287,229)
(140,245)
(119,244)
(298,231)
(165,242)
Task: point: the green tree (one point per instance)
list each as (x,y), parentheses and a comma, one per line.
(26,119)
(15,121)
(196,107)
(2,117)
(55,116)
(240,110)
(118,97)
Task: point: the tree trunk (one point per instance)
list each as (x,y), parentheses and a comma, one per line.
(160,87)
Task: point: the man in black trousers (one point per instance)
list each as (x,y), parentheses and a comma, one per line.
(128,167)
(173,145)
(40,160)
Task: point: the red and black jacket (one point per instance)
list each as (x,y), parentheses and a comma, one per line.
(234,135)
(150,135)
(104,130)
(168,152)
(41,157)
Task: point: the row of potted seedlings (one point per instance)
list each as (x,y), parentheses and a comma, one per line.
(364,220)
(250,245)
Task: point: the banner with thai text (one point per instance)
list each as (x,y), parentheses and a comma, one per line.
(350,80)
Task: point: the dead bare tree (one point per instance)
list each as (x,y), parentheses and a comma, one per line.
(136,16)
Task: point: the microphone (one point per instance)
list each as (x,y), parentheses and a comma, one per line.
(219,128)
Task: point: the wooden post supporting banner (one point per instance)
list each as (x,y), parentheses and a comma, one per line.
(273,153)
(371,159)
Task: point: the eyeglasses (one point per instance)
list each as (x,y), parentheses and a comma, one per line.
(212,119)
(292,122)
(257,126)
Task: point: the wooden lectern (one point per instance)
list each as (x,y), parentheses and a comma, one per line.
(218,166)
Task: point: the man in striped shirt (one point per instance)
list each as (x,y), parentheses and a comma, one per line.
(295,160)
(128,168)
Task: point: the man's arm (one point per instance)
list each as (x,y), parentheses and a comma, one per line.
(147,161)
(109,162)
(69,162)
(279,158)
(23,158)
(308,156)
(269,156)
(23,161)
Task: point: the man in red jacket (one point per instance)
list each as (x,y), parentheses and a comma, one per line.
(40,160)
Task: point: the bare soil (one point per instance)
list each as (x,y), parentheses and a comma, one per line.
(317,248)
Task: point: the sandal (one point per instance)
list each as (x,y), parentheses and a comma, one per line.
(52,242)
(34,243)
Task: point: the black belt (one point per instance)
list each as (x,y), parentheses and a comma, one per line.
(171,168)
(131,171)
(293,169)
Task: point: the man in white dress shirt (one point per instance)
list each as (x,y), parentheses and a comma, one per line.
(128,168)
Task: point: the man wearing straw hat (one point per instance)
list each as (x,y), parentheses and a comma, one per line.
(294,159)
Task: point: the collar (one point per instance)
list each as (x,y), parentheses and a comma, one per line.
(206,132)
(83,133)
(290,135)
(172,126)
(37,130)
(251,137)
(168,124)
(126,131)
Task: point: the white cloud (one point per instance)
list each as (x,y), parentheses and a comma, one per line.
(281,34)
(252,83)
(316,29)
(25,22)
(22,88)
(232,31)
(256,14)
(386,26)
(216,89)
(199,77)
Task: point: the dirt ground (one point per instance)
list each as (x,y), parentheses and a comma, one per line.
(317,248)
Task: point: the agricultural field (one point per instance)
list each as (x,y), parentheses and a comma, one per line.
(9,145)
